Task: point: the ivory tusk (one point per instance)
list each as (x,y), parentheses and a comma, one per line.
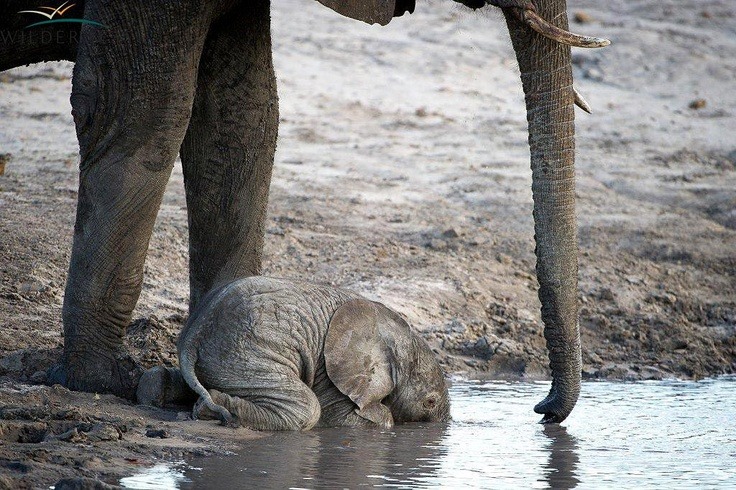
(581,102)
(533,20)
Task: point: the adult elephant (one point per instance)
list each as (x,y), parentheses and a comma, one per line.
(155,78)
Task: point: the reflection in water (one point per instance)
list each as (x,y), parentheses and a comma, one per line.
(563,458)
(667,434)
(158,477)
(329,458)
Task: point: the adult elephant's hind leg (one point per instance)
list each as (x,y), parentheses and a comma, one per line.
(132,92)
(229,148)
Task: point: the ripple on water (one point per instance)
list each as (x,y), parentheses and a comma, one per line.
(663,434)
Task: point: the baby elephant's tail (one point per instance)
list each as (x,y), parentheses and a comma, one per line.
(187,360)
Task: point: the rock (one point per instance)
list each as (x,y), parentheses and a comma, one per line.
(19,466)
(651,372)
(82,484)
(182,416)
(455,326)
(616,371)
(486,346)
(450,233)
(503,258)
(525,275)
(32,287)
(662,297)
(39,377)
(697,104)
(594,358)
(72,435)
(4,159)
(92,462)
(34,433)
(606,294)
(437,244)
(582,18)
(104,432)
(12,363)
(481,344)
(588,372)
(679,345)
(159,433)
(507,347)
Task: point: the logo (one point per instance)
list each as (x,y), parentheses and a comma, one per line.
(55,16)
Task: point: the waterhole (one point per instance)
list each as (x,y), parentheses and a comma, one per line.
(663,434)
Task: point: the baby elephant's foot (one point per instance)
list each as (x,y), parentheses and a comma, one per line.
(205,410)
(161,386)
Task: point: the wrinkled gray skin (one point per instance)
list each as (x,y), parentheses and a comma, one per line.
(282,355)
(196,78)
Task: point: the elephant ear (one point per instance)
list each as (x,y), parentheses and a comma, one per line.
(370,11)
(357,359)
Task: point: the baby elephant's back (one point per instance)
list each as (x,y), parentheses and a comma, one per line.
(258,328)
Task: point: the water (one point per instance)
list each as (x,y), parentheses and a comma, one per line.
(664,434)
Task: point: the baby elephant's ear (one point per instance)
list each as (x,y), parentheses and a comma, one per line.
(357,360)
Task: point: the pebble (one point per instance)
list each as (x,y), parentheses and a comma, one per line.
(160,433)
(33,286)
(503,258)
(456,326)
(437,244)
(582,17)
(450,233)
(698,104)
(4,159)
(104,432)
(72,435)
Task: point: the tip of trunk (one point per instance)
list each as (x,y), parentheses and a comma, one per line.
(559,402)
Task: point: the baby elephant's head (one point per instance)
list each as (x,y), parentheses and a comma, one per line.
(389,372)
(420,394)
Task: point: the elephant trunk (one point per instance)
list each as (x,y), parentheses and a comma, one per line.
(546,75)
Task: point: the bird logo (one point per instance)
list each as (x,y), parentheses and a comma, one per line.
(55,15)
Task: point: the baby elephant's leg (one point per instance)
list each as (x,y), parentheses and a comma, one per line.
(290,407)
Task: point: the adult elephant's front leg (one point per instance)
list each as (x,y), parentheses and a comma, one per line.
(132,92)
(229,148)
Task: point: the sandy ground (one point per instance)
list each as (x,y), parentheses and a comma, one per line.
(402,173)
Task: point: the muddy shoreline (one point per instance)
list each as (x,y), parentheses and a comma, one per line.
(402,174)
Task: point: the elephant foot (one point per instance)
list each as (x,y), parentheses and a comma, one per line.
(161,386)
(202,411)
(117,375)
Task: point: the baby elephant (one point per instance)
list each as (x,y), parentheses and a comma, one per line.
(282,355)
